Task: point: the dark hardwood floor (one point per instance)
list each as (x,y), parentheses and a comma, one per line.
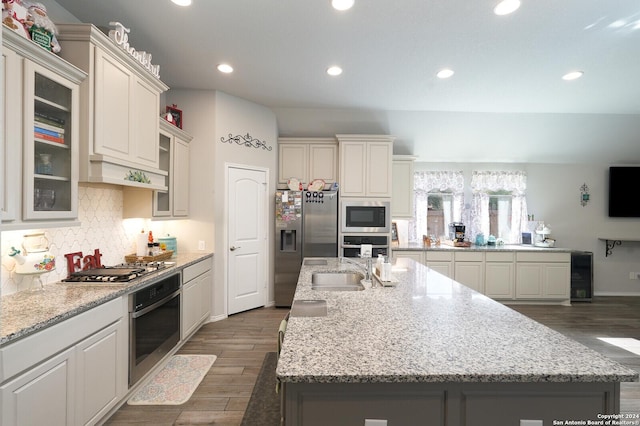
(242,340)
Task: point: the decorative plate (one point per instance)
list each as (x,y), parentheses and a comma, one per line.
(316,185)
(293,184)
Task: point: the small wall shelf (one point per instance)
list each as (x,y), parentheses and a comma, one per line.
(611,242)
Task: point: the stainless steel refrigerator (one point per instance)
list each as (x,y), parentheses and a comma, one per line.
(306,226)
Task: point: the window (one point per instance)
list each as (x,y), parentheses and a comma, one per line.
(439,212)
(500,210)
(499,206)
(438,202)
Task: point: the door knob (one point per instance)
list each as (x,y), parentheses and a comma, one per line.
(233,248)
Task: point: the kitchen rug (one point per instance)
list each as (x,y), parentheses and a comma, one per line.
(176,382)
(264,405)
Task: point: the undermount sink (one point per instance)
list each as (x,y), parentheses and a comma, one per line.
(337,281)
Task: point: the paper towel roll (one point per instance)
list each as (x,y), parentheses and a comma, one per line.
(141,244)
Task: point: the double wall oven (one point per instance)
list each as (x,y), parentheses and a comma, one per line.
(154,310)
(365,222)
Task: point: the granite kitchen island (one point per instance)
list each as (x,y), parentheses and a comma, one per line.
(430,351)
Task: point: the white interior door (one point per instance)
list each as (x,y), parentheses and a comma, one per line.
(247,239)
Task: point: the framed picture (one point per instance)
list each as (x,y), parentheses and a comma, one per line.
(176,114)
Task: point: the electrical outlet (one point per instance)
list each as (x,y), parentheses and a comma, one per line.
(531,423)
(201,245)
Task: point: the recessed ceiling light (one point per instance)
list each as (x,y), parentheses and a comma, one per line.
(342,4)
(334,70)
(182,2)
(572,75)
(506,7)
(225,68)
(445,73)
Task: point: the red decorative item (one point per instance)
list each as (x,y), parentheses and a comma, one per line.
(176,115)
(76,262)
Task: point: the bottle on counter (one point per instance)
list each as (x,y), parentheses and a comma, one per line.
(149,249)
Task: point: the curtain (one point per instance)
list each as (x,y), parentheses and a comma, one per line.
(423,182)
(481,184)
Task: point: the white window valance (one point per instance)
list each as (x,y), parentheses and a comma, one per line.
(516,182)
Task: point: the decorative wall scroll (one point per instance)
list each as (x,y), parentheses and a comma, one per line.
(584,194)
(246,140)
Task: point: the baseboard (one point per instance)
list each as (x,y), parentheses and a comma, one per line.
(616,293)
(215,318)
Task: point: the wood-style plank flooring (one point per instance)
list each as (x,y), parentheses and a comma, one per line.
(242,340)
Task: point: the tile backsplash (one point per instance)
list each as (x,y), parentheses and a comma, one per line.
(102,227)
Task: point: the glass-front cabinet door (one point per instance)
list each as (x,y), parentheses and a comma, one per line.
(50,145)
(162,202)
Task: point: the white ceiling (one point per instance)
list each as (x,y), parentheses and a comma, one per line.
(390,52)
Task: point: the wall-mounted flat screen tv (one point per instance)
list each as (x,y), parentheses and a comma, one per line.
(622,200)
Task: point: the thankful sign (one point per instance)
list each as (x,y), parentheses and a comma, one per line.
(121,37)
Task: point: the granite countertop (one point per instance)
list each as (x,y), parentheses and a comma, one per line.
(428,328)
(26,312)
(503,247)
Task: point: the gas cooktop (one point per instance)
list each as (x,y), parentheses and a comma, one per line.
(122,273)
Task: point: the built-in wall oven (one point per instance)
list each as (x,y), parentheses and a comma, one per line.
(154,324)
(351,245)
(366,216)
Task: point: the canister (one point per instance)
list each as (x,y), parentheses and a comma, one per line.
(170,242)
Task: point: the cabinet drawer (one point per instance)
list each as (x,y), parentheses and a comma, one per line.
(500,257)
(469,256)
(543,257)
(192,271)
(445,256)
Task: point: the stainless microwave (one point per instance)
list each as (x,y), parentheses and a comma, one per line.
(366,216)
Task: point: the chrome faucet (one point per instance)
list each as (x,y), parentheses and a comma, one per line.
(367,269)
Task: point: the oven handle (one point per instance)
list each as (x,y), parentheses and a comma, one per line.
(149,308)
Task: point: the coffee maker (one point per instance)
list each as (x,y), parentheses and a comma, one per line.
(456,232)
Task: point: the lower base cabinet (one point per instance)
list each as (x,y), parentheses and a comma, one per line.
(75,386)
(196,296)
(531,276)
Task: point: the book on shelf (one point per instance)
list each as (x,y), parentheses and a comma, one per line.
(49,127)
(49,119)
(39,129)
(49,138)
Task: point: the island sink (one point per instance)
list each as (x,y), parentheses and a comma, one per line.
(337,281)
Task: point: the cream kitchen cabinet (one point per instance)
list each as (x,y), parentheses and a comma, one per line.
(469,269)
(72,373)
(499,275)
(41,130)
(307,159)
(10,143)
(543,276)
(366,165)
(120,101)
(174,159)
(440,261)
(173,148)
(402,184)
(197,286)
(417,255)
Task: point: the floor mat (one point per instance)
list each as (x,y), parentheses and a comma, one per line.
(176,382)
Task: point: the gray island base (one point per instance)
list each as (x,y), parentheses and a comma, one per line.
(430,351)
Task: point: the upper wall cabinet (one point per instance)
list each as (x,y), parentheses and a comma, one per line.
(366,165)
(120,105)
(41,109)
(402,198)
(307,159)
(173,153)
